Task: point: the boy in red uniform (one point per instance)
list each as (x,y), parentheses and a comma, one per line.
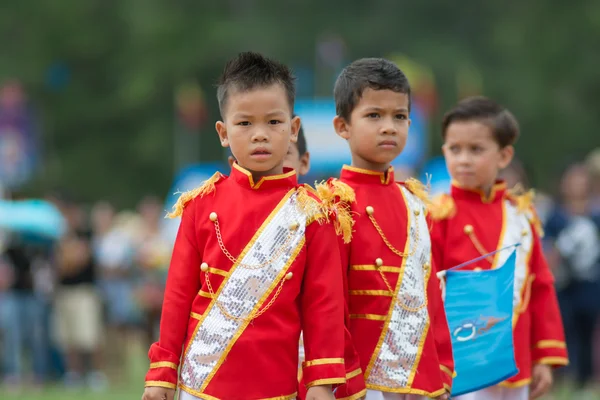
(480,216)
(253,263)
(397,321)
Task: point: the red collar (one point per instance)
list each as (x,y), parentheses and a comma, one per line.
(496,194)
(244,178)
(365,176)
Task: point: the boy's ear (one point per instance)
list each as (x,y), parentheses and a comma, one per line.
(341,127)
(304,164)
(222,132)
(295,129)
(506,155)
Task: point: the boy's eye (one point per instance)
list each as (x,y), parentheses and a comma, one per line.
(372,115)
(244,123)
(476,149)
(402,116)
(274,122)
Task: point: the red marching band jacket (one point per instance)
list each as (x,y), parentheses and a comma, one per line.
(396,316)
(254,263)
(468,224)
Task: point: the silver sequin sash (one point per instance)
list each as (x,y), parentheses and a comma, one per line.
(517,229)
(397,355)
(244,292)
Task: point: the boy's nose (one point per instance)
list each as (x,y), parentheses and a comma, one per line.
(259,135)
(389,128)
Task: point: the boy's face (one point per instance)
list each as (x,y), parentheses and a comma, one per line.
(293,159)
(377,130)
(473,156)
(258,127)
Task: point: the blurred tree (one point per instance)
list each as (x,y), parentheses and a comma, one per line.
(104,71)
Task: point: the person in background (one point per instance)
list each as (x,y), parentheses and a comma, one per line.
(152,255)
(78,306)
(23,311)
(592,163)
(113,252)
(573,247)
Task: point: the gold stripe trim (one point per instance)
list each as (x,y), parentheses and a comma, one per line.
(373,317)
(162,384)
(288,397)
(209,397)
(196,316)
(448,388)
(163,364)
(323,361)
(386,293)
(516,384)
(447,371)
(419,392)
(354,373)
(202,293)
(374,268)
(217,271)
(356,396)
(553,361)
(328,381)
(550,344)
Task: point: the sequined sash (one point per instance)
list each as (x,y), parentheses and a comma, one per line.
(244,292)
(398,352)
(516,229)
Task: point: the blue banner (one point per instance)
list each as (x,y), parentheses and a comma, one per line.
(479,309)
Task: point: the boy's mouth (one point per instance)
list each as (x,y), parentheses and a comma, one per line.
(388,143)
(260,152)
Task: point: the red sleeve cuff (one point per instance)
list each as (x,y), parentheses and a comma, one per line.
(550,352)
(324,371)
(354,388)
(163,367)
(447,376)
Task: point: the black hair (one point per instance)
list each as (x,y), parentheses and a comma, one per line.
(252,70)
(373,73)
(503,124)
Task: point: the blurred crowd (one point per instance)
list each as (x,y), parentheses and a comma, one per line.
(69,310)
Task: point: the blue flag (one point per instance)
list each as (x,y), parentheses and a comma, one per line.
(479,309)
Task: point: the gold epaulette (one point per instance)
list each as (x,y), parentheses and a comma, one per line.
(418,189)
(313,207)
(337,197)
(442,207)
(524,201)
(207,187)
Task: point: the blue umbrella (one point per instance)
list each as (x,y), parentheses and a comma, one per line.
(34,217)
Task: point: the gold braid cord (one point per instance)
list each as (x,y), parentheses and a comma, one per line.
(252,315)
